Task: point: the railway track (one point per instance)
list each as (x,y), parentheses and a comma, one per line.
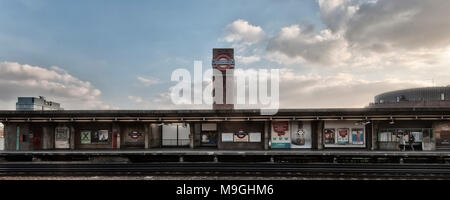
(311,170)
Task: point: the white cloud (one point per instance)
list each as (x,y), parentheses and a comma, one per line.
(148,81)
(405,24)
(296,44)
(382,34)
(247,59)
(135,99)
(240,31)
(340,90)
(336,13)
(56,84)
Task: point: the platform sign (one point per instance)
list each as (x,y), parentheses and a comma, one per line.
(209,127)
(280,135)
(227,137)
(240,136)
(255,137)
(62,138)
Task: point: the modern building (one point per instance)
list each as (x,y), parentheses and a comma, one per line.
(414,97)
(36,103)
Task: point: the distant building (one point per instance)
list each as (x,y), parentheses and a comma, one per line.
(36,103)
(414,97)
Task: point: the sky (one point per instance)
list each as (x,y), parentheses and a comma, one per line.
(113,54)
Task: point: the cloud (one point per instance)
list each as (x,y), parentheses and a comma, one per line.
(148,81)
(296,44)
(240,31)
(336,13)
(385,25)
(339,90)
(135,99)
(248,59)
(406,24)
(56,84)
(368,34)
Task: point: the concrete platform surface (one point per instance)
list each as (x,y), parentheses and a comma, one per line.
(199,152)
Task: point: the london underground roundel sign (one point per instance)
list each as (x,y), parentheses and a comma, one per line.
(241,134)
(223,62)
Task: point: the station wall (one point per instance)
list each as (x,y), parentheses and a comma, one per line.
(291,135)
(94,135)
(344,134)
(241,135)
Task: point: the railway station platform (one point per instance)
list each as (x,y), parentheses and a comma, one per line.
(189,152)
(185,155)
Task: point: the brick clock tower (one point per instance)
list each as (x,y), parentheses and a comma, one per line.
(223,78)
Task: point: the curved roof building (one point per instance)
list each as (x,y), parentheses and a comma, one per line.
(414,97)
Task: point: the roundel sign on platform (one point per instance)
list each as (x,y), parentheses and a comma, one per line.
(223,62)
(241,134)
(135,135)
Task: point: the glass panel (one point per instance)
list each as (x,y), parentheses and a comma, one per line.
(385,136)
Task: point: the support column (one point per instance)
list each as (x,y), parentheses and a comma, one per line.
(267,135)
(320,125)
(146,135)
(192,135)
(47,137)
(17,137)
(116,136)
(10,136)
(72,136)
(155,139)
(374,134)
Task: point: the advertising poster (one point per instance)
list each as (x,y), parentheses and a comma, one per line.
(241,136)
(343,136)
(442,134)
(357,136)
(328,135)
(255,137)
(85,137)
(227,137)
(418,136)
(94,137)
(103,136)
(280,135)
(62,138)
(300,134)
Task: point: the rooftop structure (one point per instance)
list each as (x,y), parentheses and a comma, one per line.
(36,103)
(414,97)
